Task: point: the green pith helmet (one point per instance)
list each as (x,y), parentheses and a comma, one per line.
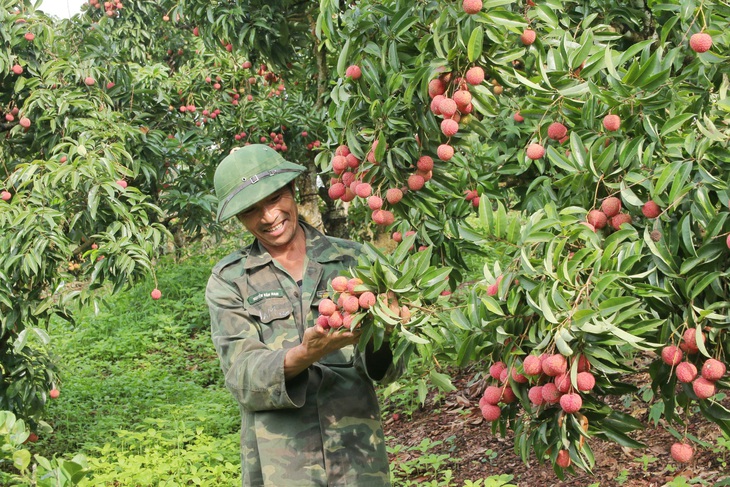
(248,175)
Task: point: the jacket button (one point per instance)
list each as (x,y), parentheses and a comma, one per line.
(296,294)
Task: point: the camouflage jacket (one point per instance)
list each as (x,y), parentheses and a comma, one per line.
(323,427)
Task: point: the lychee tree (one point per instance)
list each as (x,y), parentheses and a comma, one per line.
(589,140)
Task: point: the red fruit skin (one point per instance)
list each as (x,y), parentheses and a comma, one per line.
(681,452)
(351,305)
(535,395)
(496,369)
(375,202)
(597,218)
(425,163)
(611,122)
(583,364)
(555,365)
(491,412)
(700,42)
(353,72)
(492,395)
(475,76)
(585,381)
(447,107)
(562,382)
(532,365)
(335,320)
(339,284)
(611,206)
(686,372)
(366,300)
(535,151)
(651,209)
(472,6)
(323,321)
(528,37)
(54,393)
(671,355)
(571,403)
(363,190)
(518,118)
(415,182)
(563,459)
(445,152)
(517,377)
(5,196)
(156,294)
(393,195)
(336,191)
(436,87)
(557,131)
(690,340)
(619,220)
(449,127)
(713,369)
(327,307)
(550,393)
(703,388)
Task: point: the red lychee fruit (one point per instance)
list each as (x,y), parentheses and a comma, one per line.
(335,320)
(415,182)
(571,402)
(436,104)
(353,72)
(550,393)
(383,217)
(690,340)
(496,369)
(700,42)
(352,284)
(489,411)
(532,365)
(462,99)
(612,122)
(611,206)
(492,395)
(492,289)
(651,209)
(24,122)
(447,107)
(555,365)
(17,69)
(397,237)
(671,355)
(517,377)
(339,284)
(366,300)
(703,388)
(29,36)
(518,118)
(472,6)
(475,75)
(557,131)
(583,364)
(327,307)
(110,85)
(597,218)
(508,395)
(585,381)
(681,452)
(89,81)
(425,163)
(713,369)
(5,195)
(351,304)
(619,220)
(528,37)
(535,151)
(122,183)
(352,161)
(436,87)
(449,127)
(375,202)
(336,191)
(393,195)
(445,152)
(156,294)
(535,395)
(562,382)
(563,459)
(686,372)
(54,393)
(363,190)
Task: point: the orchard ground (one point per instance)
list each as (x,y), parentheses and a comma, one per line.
(143,398)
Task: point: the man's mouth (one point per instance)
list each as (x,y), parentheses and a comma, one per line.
(275,228)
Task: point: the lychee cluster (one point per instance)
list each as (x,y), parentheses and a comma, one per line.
(549,377)
(349,298)
(451,99)
(610,214)
(712,370)
(350,183)
(110,8)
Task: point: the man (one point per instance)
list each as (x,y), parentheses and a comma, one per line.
(309,413)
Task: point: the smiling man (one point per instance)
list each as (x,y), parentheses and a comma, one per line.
(309,413)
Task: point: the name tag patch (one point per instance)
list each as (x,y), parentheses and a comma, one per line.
(276,293)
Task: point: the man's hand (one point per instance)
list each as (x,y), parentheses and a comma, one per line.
(316,343)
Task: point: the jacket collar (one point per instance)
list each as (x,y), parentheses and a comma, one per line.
(319,249)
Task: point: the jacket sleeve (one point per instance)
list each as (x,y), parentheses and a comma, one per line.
(253,372)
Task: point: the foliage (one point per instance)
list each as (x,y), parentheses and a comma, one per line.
(612,296)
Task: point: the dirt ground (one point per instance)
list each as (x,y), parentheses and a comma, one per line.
(476,453)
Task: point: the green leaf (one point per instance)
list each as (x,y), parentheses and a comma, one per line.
(674,123)
(476,42)
(442,381)
(21,459)
(342,60)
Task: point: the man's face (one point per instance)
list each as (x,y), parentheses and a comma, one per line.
(273,220)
